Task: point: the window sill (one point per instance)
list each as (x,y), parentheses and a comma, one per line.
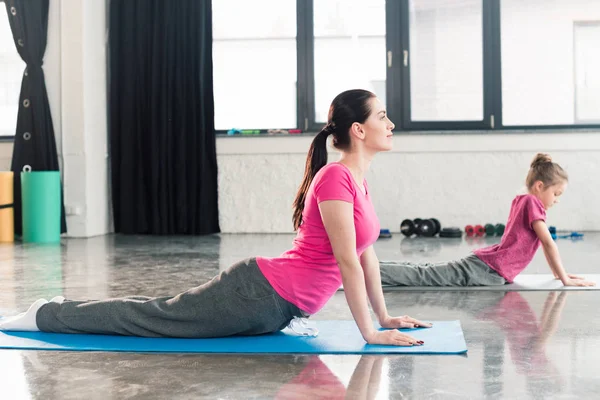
(519,131)
(527,140)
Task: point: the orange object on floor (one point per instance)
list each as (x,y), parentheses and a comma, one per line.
(7,215)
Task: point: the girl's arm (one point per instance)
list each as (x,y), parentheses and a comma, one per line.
(553,257)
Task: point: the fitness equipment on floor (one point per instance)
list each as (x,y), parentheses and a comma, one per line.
(41,203)
(474,230)
(451,232)
(420,227)
(494,230)
(7,216)
(385,234)
(487,230)
(572,235)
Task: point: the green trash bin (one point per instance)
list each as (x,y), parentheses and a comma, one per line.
(41,203)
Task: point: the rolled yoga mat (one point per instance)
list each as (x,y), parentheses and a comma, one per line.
(7,213)
(41,201)
(335,337)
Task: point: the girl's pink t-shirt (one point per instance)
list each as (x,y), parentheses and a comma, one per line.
(519,242)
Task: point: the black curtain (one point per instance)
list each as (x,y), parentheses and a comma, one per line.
(34,145)
(162,138)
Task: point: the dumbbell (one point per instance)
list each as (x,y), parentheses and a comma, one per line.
(451,232)
(494,230)
(477,230)
(421,227)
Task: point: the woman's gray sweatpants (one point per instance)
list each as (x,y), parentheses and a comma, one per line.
(239,301)
(468,271)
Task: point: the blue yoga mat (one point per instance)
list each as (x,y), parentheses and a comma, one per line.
(335,337)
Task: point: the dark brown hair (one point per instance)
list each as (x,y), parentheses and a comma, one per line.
(347,108)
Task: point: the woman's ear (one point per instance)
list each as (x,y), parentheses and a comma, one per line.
(357,131)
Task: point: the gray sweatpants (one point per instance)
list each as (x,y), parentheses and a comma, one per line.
(468,271)
(239,301)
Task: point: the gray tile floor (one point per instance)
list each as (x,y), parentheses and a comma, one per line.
(521,344)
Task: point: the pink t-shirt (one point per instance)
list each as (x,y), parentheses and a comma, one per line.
(315,381)
(519,242)
(308,274)
(514,316)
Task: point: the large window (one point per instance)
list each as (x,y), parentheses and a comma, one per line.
(254,64)
(586,62)
(446,60)
(550,62)
(350,52)
(436,64)
(12,68)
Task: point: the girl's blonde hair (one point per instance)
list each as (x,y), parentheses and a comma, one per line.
(543,169)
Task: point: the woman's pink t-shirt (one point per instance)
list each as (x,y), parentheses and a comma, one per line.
(308,274)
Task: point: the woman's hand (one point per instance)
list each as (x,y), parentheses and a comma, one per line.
(402,322)
(393,337)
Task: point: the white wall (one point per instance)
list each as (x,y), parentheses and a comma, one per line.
(5,156)
(460,179)
(78,104)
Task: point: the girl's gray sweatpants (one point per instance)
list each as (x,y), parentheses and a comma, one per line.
(239,301)
(468,271)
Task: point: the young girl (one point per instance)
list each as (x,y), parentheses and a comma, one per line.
(337,227)
(525,231)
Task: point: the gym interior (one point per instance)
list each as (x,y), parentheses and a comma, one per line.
(170,140)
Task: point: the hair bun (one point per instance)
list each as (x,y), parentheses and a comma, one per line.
(540,158)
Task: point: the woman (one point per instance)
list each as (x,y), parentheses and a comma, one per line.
(336,225)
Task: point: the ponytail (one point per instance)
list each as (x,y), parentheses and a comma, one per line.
(315,160)
(346,108)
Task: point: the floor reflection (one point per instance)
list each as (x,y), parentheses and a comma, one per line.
(521,344)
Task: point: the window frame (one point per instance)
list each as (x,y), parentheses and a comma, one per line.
(580,23)
(398,75)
